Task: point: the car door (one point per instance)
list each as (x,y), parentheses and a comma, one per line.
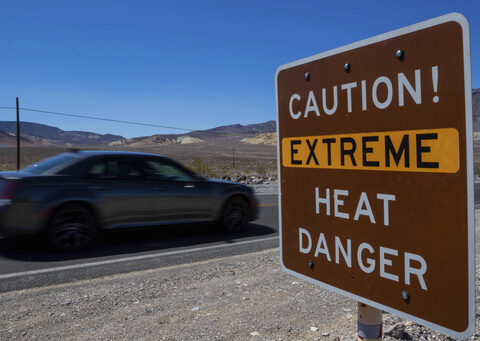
(180,196)
(122,192)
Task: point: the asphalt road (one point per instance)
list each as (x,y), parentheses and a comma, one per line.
(27,262)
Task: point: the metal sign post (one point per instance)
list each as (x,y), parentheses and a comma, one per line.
(375,164)
(18,136)
(369,323)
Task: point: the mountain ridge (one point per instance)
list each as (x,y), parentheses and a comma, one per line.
(232,131)
(42,134)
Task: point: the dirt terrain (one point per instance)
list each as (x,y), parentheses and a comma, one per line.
(218,158)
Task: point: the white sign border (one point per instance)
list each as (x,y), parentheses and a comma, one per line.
(460,19)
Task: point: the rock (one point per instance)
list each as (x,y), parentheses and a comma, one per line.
(314,329)
(254,333)
(50,313)
(326,334)
(67,302)
(336,338)
(397,331)
(195,308)
(349,316)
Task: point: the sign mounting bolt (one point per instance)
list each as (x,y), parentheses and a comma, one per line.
(406,296)
(311,264)
(307,76)
(347,67)
(400,54)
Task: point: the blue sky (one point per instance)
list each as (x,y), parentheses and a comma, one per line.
(192,64)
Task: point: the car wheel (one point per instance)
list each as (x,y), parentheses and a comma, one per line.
(235,214)
(72,228)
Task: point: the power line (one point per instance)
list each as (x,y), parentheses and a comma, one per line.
(100,118)
(115,121)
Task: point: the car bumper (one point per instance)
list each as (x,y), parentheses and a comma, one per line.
(15,223)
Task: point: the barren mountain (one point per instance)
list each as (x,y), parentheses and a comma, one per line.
(10,140)
(236,130)
(155,140)
(229,132)
(47,135)
(266,138)
(476,109)
(42,134)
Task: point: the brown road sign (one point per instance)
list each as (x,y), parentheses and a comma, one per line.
(376,172)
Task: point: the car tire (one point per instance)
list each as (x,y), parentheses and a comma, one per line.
(235,214)
(72,227)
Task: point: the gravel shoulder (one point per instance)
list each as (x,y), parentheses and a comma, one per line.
(222,299)
(266,188)
(246,297)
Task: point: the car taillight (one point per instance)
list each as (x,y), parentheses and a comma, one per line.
(7,191)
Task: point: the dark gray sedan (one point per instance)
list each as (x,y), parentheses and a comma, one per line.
(71,196)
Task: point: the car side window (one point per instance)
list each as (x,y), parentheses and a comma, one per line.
(124,169)
(165,171)
(97,170)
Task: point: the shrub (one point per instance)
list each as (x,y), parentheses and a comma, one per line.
(261,170)
(202,168)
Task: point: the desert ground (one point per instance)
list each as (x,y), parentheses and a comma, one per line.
(213,159)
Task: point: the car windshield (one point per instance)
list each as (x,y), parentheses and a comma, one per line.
(50,165)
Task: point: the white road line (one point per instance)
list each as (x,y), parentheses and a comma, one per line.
(128,259)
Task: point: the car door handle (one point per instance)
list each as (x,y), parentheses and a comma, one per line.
(189,186)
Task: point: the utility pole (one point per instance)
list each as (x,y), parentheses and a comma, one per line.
(18,136)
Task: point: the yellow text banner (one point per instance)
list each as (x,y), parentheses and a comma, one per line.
(427,150)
